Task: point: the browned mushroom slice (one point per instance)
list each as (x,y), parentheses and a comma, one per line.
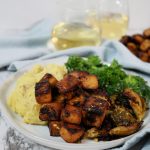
(94,111)
(89,82)
(71,114)
(51,79)
(54,127)
(43,92)
(67,84)
(50,112)
(122,117)
(147,33)
(71,133)
(125,130)
(136,102)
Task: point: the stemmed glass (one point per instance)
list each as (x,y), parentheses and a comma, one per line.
(113,18)
(78,25)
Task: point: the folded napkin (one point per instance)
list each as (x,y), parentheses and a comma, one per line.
(108,51)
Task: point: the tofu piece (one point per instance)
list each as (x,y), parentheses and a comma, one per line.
(67,84)
(71,114)
(59,99)
(75,93)
(50,112)
(77,101)
(78,74)
(51,79)
(54,128)
(94,111)
(71,133)
(92,120)
(99,94)
(43,92)
(89,82)
(69,95)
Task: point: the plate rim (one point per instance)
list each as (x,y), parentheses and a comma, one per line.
(46,142)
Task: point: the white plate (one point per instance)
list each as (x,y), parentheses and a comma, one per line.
(40,134)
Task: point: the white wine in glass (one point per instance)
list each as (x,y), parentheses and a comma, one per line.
(74,30)
(113,18)
(67,35)
(113,26)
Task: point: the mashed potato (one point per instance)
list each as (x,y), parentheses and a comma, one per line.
(22,99)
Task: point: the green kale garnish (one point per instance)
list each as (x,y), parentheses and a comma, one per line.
(79,63)
(110,78)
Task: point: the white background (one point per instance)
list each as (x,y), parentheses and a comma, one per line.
(20,14)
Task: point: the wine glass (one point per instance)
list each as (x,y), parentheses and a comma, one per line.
(78,25)
(113,18)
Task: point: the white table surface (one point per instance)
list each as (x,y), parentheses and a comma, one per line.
(20,14)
